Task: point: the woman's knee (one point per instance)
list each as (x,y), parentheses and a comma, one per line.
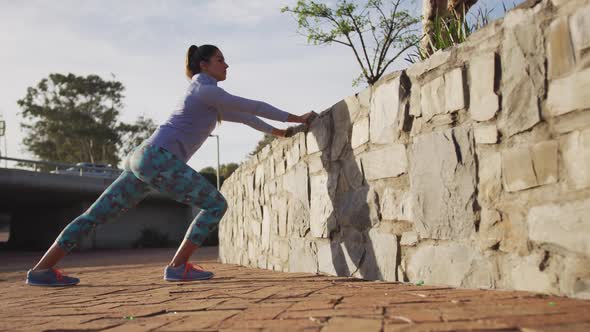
(217,207)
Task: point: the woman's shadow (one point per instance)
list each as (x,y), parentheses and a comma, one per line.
(346,217)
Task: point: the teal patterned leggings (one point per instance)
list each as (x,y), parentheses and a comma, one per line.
(148,167)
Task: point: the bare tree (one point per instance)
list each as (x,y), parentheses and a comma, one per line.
(371,29)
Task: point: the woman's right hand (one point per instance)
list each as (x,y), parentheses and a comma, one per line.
(305,118)
(308,117)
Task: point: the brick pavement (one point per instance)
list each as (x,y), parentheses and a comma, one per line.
(124,291)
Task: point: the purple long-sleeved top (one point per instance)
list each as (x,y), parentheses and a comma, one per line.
(193,121)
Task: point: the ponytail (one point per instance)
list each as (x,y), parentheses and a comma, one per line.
(190,68)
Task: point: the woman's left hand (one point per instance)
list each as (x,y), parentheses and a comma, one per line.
(278,132)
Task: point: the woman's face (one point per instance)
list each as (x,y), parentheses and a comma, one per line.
(215,67)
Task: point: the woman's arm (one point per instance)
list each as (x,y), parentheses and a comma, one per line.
(224,102)
(252,121)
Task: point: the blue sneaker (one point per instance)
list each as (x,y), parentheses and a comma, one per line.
(186,272)
(50,278)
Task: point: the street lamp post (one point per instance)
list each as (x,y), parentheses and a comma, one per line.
(217,137)
(2,134)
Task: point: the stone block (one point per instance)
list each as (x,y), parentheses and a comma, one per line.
(283,250)
(409,239)
(293,154)
(315,164)
(580,30)
(255,229)
(560,55)
(432,98)
(443,184)
(576,158)
(565,225)
(323,195)
(415,98)
(395,205)
(252,252)
(384,112)
(318,135)
(259,176)
(280,205)
(484,102)
(384,163)
(262,262)
(526,167)
(489,218)
(357,209)
(265,228)
(486,134)
(559,2)
(342,257)
(360,132)
(306,253)
(352,171)
(298,222)
(343,114)
(450,264)
(280,165)
(364,98)
(572,121)
(545,162)
(454,90)
(325,261)
(517,169)
(436,60)
(569,93)
(295,182)
(302,144)
(263,154)
(489,233)
(389,203)
(417,127)
(574,277)
(389,113)
(379,262)
(271,168)
(525,275)
(523,75)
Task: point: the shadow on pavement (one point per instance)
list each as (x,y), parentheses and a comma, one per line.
(23,260)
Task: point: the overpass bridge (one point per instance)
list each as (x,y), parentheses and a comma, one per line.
(38,205)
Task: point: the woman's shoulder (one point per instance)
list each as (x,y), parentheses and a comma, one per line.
(206,90)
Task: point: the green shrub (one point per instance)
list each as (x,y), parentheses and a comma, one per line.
(451,31)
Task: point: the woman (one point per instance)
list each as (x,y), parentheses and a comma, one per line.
(160,163)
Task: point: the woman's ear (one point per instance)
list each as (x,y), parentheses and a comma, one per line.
(203,64)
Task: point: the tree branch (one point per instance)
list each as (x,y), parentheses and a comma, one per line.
(387,42)
(358,31)
(396,56)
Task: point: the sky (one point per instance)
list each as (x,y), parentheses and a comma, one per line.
(143,43)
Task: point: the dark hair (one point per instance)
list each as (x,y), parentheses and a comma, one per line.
(195,55)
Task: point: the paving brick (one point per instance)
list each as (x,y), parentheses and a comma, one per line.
(339,324)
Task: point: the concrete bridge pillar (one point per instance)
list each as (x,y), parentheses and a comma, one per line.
(38,226)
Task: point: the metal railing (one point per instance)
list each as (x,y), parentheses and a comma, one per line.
(62,167)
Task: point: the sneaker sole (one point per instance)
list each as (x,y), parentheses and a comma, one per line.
(196,279)
(49,285)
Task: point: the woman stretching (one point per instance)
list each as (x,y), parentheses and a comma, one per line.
(160,163)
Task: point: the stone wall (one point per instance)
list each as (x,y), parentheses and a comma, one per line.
(470,169)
